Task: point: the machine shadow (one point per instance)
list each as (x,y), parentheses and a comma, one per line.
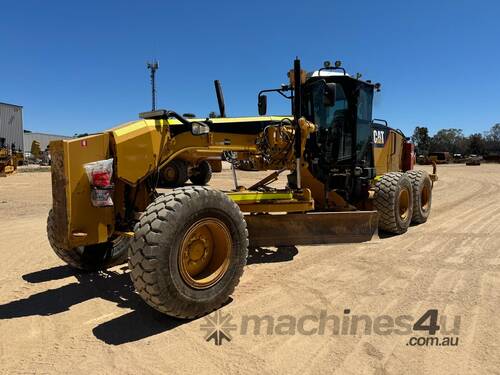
(107,285)
(141,322)
(383,235)
(264,255)
(54,273)
(114,286)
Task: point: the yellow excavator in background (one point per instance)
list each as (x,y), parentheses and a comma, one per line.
(347,175)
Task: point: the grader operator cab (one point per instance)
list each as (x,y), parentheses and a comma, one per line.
(347,175)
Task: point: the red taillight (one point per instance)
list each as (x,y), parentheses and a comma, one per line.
(100,174)
(101,178)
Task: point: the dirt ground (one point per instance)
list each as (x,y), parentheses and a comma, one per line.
(55,320)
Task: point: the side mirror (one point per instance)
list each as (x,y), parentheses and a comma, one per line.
(262,105)
(330,94)
(198,128)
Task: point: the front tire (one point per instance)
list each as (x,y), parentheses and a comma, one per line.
(394,202)
(91,257)
(189,251)
(174,174)
(202,174)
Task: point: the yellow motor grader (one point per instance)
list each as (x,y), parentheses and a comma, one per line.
(347,175)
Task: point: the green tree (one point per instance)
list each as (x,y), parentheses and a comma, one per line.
(476,144)
(450,140)
(421,140)
(494,133)
(492,140)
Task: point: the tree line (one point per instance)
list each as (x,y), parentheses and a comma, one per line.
(455,142)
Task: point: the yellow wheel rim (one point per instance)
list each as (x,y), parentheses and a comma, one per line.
(425,198)
(404,204)
(205,252)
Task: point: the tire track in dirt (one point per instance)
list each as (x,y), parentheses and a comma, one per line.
(432,284)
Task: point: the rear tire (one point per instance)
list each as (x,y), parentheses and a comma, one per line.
(92,257)
(189,250)
(174,174)
(422,195)
(202,174)
(394,202)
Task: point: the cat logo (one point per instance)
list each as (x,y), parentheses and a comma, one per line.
(378,137)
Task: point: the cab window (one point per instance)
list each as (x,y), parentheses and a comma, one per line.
(334,118)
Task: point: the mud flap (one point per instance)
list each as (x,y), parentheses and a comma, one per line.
(311,228)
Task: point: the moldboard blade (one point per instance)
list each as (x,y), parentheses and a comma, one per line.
(313,228)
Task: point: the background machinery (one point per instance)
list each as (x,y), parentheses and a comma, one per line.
(9,158)
(347,174)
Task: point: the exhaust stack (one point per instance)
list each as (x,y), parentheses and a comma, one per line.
(220,98)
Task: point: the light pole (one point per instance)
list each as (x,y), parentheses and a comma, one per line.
(153,67)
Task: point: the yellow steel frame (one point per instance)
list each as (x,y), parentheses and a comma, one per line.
(146,145)
(272,201)
(138,148)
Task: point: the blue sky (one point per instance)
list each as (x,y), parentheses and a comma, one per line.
(80,66)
